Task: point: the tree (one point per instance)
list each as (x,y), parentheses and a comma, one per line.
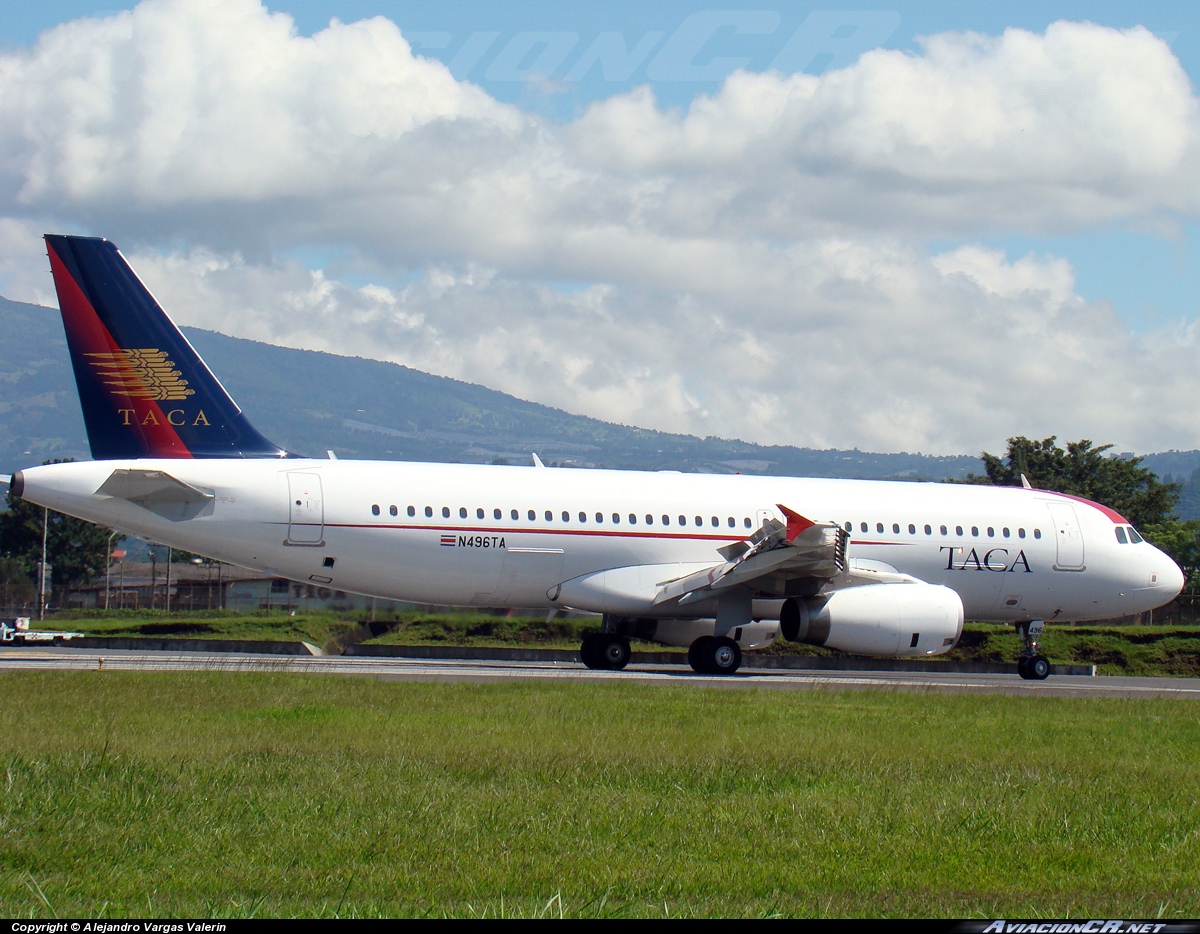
(76,550)
(1083,470)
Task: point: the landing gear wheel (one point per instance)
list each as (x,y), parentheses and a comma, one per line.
(715,655)
(724,656)
(698,655)
(1037,668)
(611,652)
(587,651)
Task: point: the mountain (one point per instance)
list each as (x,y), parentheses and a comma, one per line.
(311,402)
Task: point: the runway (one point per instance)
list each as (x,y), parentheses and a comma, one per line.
(485,671)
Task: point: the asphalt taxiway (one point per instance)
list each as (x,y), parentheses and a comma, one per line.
(484,670)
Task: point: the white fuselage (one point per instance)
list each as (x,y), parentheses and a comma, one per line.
(471,535)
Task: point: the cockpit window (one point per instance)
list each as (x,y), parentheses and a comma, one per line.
(1134,537)
(1121,536)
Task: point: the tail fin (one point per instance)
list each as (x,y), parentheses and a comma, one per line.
(145,391)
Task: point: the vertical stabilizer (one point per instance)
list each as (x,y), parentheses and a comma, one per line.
(144,390)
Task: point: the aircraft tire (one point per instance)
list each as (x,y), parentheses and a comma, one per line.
(587,651)
(1038,668)
(698,655)
(611,652)
(724,656)
(1023,668)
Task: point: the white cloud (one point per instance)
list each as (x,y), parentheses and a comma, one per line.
(750,267)
(867,344)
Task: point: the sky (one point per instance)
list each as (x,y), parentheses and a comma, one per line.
(926,227)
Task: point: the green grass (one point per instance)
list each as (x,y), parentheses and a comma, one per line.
(232,795)
(1163,650)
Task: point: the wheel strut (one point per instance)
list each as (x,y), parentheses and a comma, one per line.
(1032,665)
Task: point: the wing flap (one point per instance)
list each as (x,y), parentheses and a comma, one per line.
(799,548)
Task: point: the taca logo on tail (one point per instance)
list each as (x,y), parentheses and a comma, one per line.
(144,390)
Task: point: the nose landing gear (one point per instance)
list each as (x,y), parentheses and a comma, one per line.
(1032,666)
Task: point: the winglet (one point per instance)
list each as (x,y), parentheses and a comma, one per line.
(796,523)
(1025,482)
(537,461)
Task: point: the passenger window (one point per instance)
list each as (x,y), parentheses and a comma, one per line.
(1037,533)
(699,521)
(514,515)
(941,528)
(991,532)
(1005,533)
(616,518)
(479,512)
(375,510)
(912,529)
(682,520)
(895,528)
(732,524)
(411,511)
(1134,537)
(428,512)
(1121,536)
(716,522)
(878,526)
(533,515)
(393,511)
(958,530)
(462,512)
(849,526)
(566,516)
(632,519)
(975,531)
(862,526)
(666,520)
(445,512)
(746,522)
(649,519)
(496,513)
(1020,533)
(582,516)
(549,516)
(599,517)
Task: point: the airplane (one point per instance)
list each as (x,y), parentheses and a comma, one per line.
(717,563)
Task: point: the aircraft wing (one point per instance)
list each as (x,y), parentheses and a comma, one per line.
(778,553)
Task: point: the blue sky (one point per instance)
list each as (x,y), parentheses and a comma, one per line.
(527,238)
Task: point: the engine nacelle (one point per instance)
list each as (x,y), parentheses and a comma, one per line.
(877,619)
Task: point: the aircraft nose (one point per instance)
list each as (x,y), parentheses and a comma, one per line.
(1170,580)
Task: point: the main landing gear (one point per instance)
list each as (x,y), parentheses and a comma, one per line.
(1032,666)
(604,651)
(715,655)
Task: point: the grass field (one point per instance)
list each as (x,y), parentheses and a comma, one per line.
(233,795)
(1170,650)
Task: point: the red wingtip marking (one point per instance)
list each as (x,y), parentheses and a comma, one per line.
(796,523)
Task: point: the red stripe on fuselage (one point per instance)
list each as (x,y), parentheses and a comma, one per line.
(87,332)
(1116,517)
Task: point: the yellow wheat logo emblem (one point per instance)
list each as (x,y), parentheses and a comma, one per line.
(143,373)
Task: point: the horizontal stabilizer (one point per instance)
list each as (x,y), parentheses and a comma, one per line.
(159,492)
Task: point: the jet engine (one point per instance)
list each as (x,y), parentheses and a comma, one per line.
(877,619)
